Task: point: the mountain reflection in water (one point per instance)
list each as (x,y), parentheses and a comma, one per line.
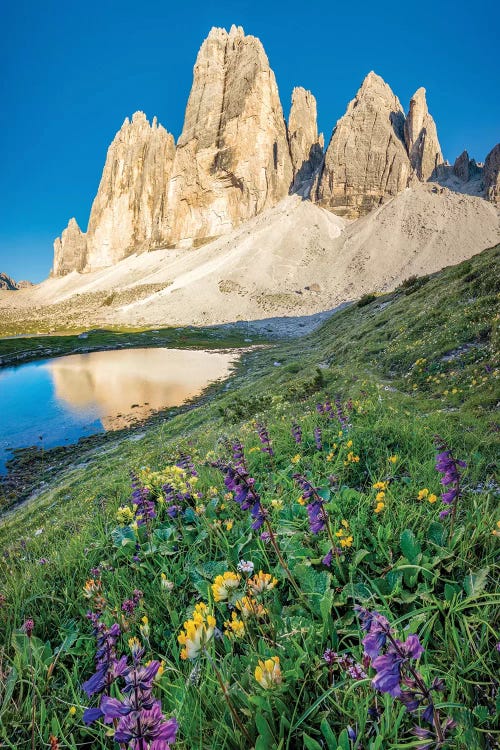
(57,401)
(135,382)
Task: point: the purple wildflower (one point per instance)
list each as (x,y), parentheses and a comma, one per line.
(130,605)
(140,497)
(238,481)
(28,627)
(397,676)
(108,666)
(186,462)
(340,414)
(318,438)
(297,433)
(315,510)
(238,454)
(265,439)
(449,467)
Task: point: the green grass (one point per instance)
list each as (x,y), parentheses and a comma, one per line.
(29,348)
(414,363)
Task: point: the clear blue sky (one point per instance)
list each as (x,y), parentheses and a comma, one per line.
(72,71)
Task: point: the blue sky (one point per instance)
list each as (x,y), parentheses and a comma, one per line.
(72,71)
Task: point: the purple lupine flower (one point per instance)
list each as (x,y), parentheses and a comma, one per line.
(297,433)
(238,481)
(138,717)
(238,454)
(141,498)
(186,462)
(264,439)
(108,667)
(340,414)
(328,409)
(395,673)
(318,439)
(315,510)
(327,559)
(449,467)
(320,408)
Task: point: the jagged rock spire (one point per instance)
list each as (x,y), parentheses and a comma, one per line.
(70,250)
(306,146)
(491,175)
(129,213)
(366,160)
(421,138)
(232,159)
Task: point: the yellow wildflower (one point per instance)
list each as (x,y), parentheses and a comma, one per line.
(72,710)
(234,628)
(380,495)
(268,672)
(276,503)
(197,632)
(496,532)
(432,498)
(380,485)
(301,500)
(144,628)
(229,524)
(346,541)
(224,585)
(379,507)
(422,493)
(393,459)
(165,583)
(261,582)
(249,607)
(124,514)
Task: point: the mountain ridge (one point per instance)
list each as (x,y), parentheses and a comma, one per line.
(236,156)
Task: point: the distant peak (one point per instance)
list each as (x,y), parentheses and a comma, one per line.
(217,32)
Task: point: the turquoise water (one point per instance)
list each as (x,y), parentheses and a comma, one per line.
(57,401)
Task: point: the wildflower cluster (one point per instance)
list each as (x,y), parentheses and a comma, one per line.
(396,674)
(268,672)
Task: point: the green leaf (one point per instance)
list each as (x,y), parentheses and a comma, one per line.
(122,535)
(311,744)
(264,729)
(326,731)
(313,583)
(435,533)
(409,546)
(325,607)
(475,583)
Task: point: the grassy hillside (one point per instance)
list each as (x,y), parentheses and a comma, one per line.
(359,479)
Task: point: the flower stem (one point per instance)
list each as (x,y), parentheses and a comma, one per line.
(228,699)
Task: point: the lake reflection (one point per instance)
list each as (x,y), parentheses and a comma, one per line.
(57,401)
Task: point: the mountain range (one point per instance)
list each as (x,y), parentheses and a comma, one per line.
(250,216)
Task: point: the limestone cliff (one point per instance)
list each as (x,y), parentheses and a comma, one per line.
(129,211)
(421,138)
(491,175)
(232,159)
(366,161)
(306,147)
(70,250)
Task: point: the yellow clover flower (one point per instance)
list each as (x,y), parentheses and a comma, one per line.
(261,582)
(268,672)
(197,632)
(224,585)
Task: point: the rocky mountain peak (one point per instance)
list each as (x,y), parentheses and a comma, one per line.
(306,147)
(421,137)
(491,175)
(366,161)
(232,159)
(70,250)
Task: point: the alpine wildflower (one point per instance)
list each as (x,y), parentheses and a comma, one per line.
(224,585)
(268,673)
(449,467)
(197,632)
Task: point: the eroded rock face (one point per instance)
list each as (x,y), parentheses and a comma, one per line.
(70,250)
(7,283)
(306,147)
(232,159)
(366,160)
(129,211)
(491,175)
(421,137)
